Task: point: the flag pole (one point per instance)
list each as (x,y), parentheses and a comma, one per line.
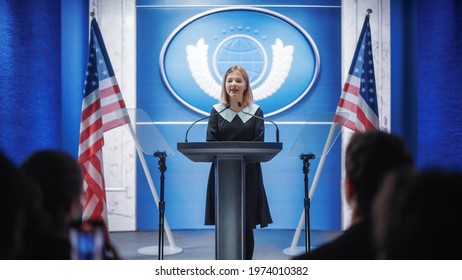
(322,160)
(292,250)
(151,250)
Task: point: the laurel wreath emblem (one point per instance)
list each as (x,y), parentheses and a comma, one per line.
(198,65)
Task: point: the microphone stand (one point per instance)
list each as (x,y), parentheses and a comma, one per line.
(162,167)
(206,117)
(263,119)
(307,202)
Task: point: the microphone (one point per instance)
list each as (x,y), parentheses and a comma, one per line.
(258,117)
(209,116)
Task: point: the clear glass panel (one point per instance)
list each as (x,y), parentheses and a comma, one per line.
(148,137)
(317,136)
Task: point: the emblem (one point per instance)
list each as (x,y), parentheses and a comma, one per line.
(280,57)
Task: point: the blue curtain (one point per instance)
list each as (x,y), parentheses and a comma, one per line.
(35,109)
(439,72)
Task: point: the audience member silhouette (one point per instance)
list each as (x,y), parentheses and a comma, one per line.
(38,220)
(13,204)
(417,216)
(25,221)
(369,157)
(59,177)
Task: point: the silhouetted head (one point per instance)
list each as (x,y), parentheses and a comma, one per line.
(369,157)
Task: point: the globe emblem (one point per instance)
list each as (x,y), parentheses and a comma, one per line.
(241,50)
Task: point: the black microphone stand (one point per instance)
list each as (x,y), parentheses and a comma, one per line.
(206,117)
(307,202)
(162,167)
(263,119)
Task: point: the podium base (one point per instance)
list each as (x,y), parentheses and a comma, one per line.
(294,251)
(154,250)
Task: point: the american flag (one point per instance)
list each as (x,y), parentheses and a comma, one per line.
(103,108)
(357,108)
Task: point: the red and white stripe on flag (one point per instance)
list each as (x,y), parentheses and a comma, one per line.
(353,111)
(112,104)
(90,159)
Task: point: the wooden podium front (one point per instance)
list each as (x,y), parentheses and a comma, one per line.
(230,159)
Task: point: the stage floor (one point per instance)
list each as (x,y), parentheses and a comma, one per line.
(200,244)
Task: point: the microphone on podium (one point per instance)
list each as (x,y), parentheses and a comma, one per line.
(258,117)
(209,116)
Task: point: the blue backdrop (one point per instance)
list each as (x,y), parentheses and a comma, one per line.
(41,92)
(440,106)
(185,183)
(30,66)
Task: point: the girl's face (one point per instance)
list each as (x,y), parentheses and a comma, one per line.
(235,85)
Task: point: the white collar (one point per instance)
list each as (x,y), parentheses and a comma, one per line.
(230,114)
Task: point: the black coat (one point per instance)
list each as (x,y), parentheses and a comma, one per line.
(353,244)
(225,127)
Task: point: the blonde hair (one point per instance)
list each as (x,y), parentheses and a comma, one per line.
(248,94)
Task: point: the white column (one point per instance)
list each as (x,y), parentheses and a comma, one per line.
(117,21)
(353,14)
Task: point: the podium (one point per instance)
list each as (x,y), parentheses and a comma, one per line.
(230,159)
